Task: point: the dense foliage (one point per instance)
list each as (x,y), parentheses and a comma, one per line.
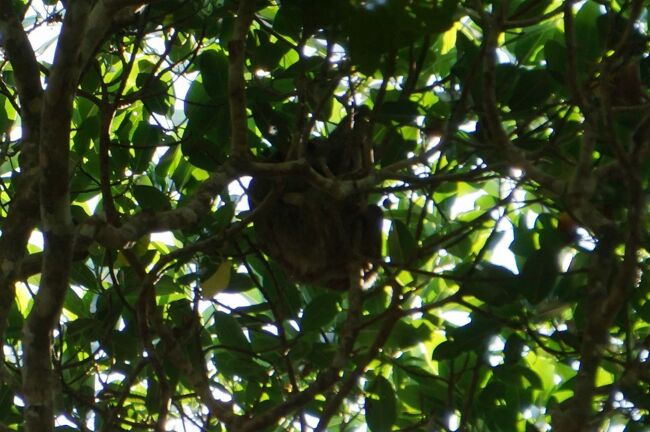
(510,141)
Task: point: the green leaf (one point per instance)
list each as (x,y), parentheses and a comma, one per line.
(555,55)
(146,138)
(401,244)
(539,275)
(202,153)
(122,345)
(424,398)
(229,331)
(83,276)
(148,197)
(152,400)
(522,243)
(405,335)
(82,331)
(288,20)
(8,411)
(201,111)
(492,284)
(75,304)
(15,323)
(157,100)
(471,337)
(232,364)
(532,89)
(214,72)
(380,405)
(513,349)
(529,9)
(168,162)
(239,283)
(402,111)
(441,17)
(224,215)
(268,54)
(320,312)
(5,122)
(589,43)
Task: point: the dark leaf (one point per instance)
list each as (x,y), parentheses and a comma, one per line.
(229,331)
(380,405)
(320,312)
(214,71)
(149,197)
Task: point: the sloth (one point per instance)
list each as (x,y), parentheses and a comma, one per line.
(316,238)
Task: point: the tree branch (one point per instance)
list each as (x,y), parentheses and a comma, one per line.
(236,81)
(106,15)
(55,221)
(23,211)
(606,294)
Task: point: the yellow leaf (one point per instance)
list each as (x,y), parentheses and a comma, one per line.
(219,280)
(449,40)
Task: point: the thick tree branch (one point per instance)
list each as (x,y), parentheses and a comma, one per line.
(106,16)
(147,222)
(55,221)
(133,228)
(610,285)
(136,226)
(23,211)
(236,81)
(571,62)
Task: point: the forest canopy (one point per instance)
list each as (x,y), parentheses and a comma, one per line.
(349,215)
